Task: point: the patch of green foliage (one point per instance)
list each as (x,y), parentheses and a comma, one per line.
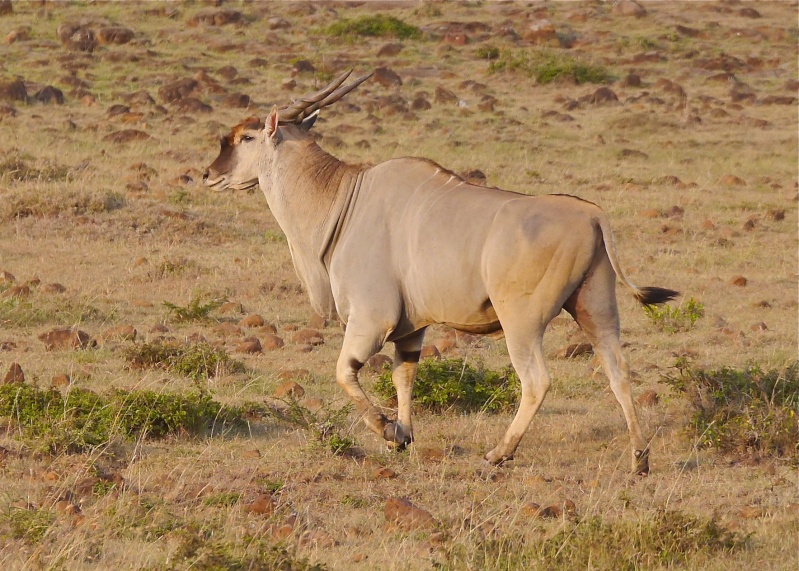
(328,426)
(196,310)
(29,525)
(199,550)
(670,539)
(749,411)
(546,67)
(29,312)
(487,52)
(82,420)
(377,25)
(222,499)
(455,384)
(673,319)
(197,361)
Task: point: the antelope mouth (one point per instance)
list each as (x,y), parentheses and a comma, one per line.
(223,182)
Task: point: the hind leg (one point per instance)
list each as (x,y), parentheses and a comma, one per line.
(594,308)
(406,361)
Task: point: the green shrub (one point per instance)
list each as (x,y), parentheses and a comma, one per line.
(747,411)
(328,426)
(81,419)
(378,25)
(197,361)
(455,384)
(196,310)
(29,525)
(674,319)
(670,539)
(547,67)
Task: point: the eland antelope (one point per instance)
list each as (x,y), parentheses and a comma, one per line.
(399,246)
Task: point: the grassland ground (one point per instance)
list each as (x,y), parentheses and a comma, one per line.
(688,141)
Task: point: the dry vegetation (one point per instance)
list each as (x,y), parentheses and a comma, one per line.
(151,440)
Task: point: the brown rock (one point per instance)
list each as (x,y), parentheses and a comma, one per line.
(65,339)
(757,327)
(251,454)
(650,213)
(249,345)
(282,532)
(402,513)
(49,95)
(61,380)
(455,39)
(17,292)
(540,32)
(289,389)
(13,91)
(389,50)
(262,505)
(751,512)
(192,105)
(292,374)
(308,337)
(114,35)
(313,403)
(631,80)
(602,95)
(120,333)
(65,507)
(126,136)
(6,8)
(14,375)
(384,474)
(430,352)
(431,453)
(317,321)
(77,37)
(379,362)
(445,345)
(739,281)
(386,77)
(216,18)
(227,329)
(629,8)
(177,90)
(7,277)
(708,225)
(648,398)
(575,350)
(317,538)
(732,180)
(444,96)
(231,307)
(252,320)
(777,215)
(749,13)
(236,101)
(270,342)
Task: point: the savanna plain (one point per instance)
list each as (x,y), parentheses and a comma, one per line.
(167,397)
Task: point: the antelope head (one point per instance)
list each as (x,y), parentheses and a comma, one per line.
(246,153)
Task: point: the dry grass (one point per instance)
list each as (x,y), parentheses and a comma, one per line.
(127,227)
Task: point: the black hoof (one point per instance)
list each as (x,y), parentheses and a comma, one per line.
(642,462)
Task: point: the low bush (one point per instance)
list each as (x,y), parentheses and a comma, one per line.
(29,525)
(546,67)
(195,310)
(197,361)
(328,426)
(455,384)
(378,25)
(749,411)
(671,539)
(673,319)
(82,420)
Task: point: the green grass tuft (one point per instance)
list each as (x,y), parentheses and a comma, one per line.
(673,319)
(455,384)
(29,525)
(378,25)
(745,412)
(196,310)
(547,67)
(197,361)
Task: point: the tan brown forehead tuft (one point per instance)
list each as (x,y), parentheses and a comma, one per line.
(249,123)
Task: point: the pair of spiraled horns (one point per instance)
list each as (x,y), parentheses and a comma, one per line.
(301,108)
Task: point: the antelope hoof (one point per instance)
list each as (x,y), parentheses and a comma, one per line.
(394,432)
(641,462)
(496,459)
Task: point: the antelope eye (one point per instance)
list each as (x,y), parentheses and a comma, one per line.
(247,138)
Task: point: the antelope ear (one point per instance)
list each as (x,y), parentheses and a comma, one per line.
(308,122)
(271,123)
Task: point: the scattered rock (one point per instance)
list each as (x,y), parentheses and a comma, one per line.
(291,374)
(17,292)
(227,329)
(379,362)
(402,513)
(575,350)
(632,153)
(430,352)
(541,32)
(126,136)
(739,281)
(432,453)
(777,215)
(386,77)
(13,91)
(276,23)
(6,8)
(648,398)
(732,180)
(631,80)
(650,213)
(629,8)
(475,176)
(14,375)
(216,18)
(749,13)
(389,50)
(262,505)
(317,538)
(120,333)
(317,321)
(65,339)
(114,35)
(308,337)
(602,95)
(236,101)
(751,512)
(77,37)
(177,90)
(384,474)
(7,277)
(271,342)
(289,389)
(249,345)
(252,320)
(18,35)
(303,66)
(759,327)
(445,96)
(61,380)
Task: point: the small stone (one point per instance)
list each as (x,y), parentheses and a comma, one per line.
(227,329)
(759,327)
(282,532)
(430,352)
(650,213)
(751,512)
(65,339)
(7,277)
(384,474)
(17,292)
(732,180)
(317,321)
(120,333)
(648,398)
(308,337)
(407,516)
(575,350)
(739,281)
(65,507)
(249,345)
(61,380)
(317,538)
(289,389)
(253,320)
(292,374)
(431,453)
(262,505)
(379,362)
(250,454)
(231,307)
(271,342)
(629,8)
(14,375)
(53,288)
(386,77)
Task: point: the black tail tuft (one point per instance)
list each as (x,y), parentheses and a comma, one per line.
(655,295)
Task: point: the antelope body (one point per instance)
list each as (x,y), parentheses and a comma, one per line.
(405,244)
